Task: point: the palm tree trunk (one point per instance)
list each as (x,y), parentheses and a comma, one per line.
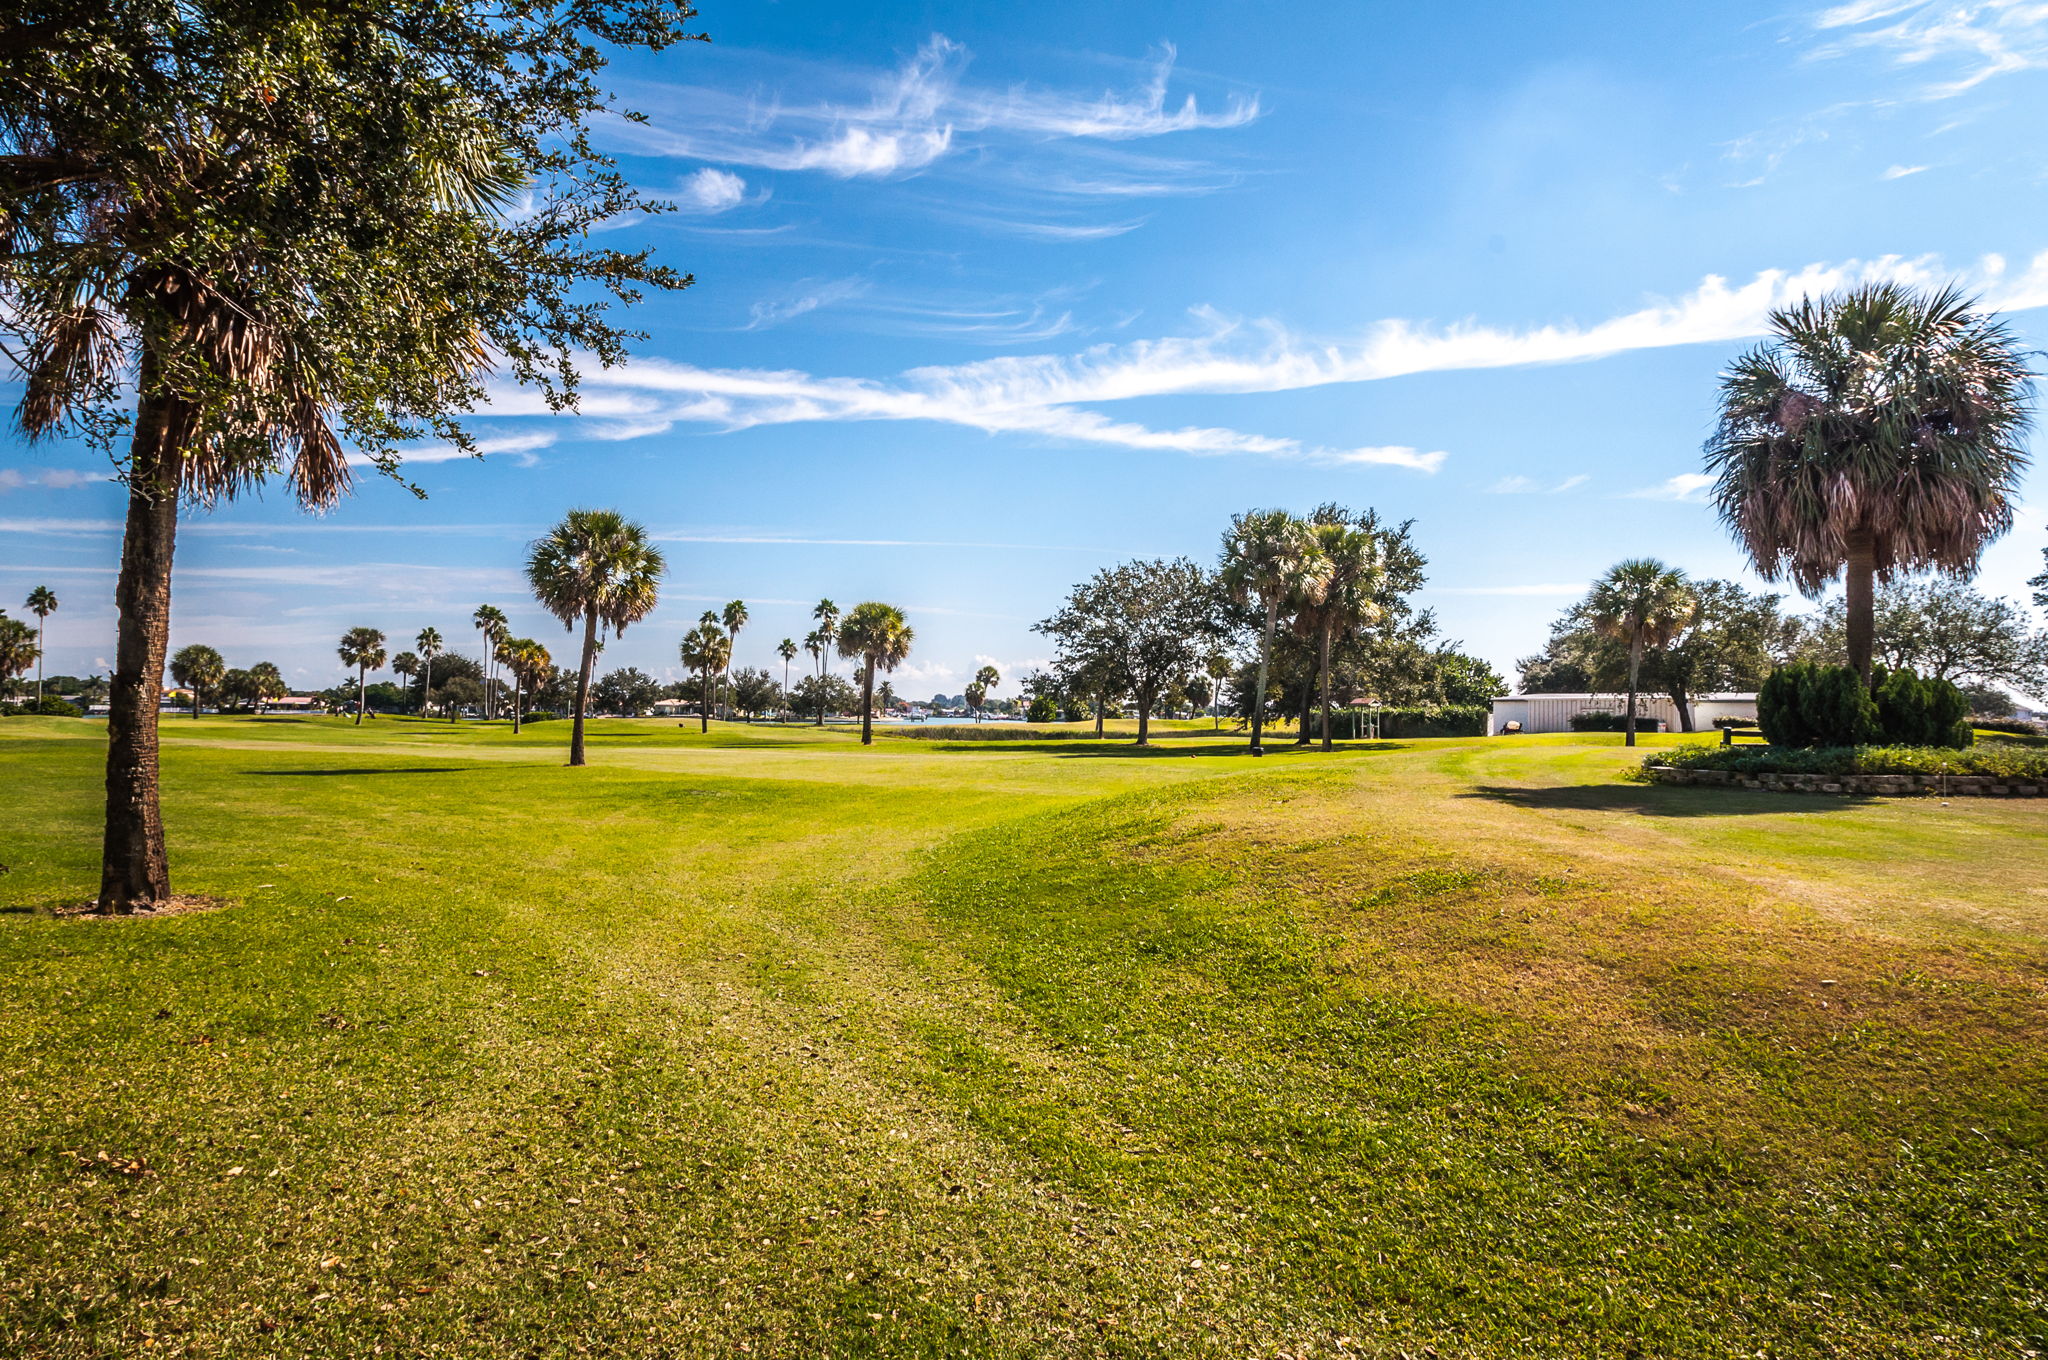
(1325,668)
(195,703)
(1308,702)
(785,682)
(1635,666)
(1860,586)
(867,703)
(515,703)
(427,688)
(135,869)
(821,690)
(704,702)
(1265,660)
(583,685)
(39,661)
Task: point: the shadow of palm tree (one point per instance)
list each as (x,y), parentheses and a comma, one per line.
(1661,800)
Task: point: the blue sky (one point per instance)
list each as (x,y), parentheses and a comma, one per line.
(991,296)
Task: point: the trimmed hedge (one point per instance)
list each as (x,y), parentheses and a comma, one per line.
(1463,720)
(1998,759)
(2016,727)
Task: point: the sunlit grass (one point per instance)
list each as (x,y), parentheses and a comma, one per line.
(762,1039)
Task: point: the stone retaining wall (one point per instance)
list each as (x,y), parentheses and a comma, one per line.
(1894,785)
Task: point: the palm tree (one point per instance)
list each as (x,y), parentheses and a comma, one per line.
(42,602)
(827,634)
(1218,668)
(1882,430)
(599,566)
(1346,601)
(1269,557)
(430,646)
(1645,604)
(877,634)
(408,665)
(491,622)
(986,679)
(18,651)
(734,617)
(529,663)
(197,668)
(707,650)
(362,648)
(266,682)
(786,649)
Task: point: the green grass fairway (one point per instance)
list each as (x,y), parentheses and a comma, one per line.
(764,1044)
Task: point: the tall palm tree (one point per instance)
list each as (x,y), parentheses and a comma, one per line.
(985,679)
(1346,600)
(786,649)
(734,617)
(1646,604)
(267,682)
(1218,668)
(42,602)
(430,646)
(825,635)
(707,650)
(491,622)
(1881,430)
(362,648)
(197,668)
(877,634)
(528,663)
(407,664)
(598,566)
(1269,556)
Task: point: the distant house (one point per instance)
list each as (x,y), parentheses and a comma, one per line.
(670,708)
(1554,712)
(293,703)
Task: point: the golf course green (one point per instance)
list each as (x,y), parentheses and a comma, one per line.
(762,1043)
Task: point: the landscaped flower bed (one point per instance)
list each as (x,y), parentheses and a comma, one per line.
(1991,769)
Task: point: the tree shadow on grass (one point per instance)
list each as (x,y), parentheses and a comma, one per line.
(367,769)
(1662,800)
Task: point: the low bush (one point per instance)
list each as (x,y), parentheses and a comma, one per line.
(50,706)
(1044,709)
(1609,722)
(1809,705)
(2011,726)
(1735,722)
(1998,759)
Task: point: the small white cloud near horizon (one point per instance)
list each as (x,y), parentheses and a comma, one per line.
(1901,171)
(1686,486)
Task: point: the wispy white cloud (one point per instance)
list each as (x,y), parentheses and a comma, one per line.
(1686,486)
(1901,171)
(1964,44)
(1053,395)
(523,445)
(53,479)
(808,296)
(1518,485)
(898,123)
